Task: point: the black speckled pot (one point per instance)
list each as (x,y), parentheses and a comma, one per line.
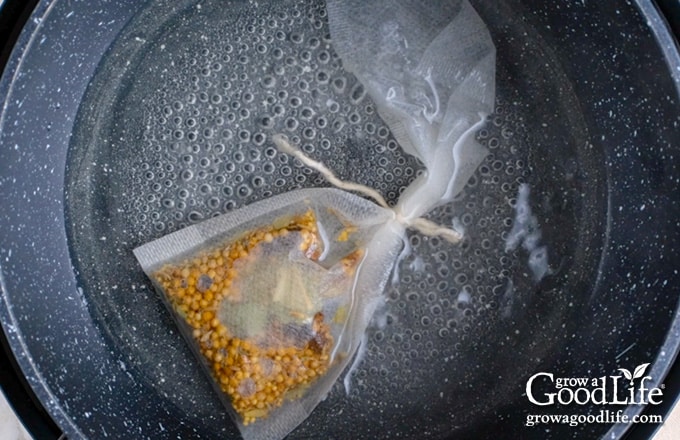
(588,98)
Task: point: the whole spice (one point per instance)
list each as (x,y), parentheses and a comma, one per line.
(257,374)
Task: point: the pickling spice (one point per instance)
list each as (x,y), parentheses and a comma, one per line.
(279,341)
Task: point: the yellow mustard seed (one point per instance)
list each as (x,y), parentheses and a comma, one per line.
(271,375)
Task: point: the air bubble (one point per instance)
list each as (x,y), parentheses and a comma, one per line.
(238,156)
(306,113)
(257,182)
(460,279)
(267,122)
(244,135)
(218,149)
(187,175)
(466,219)
(183,193)
(270,152)
(244,191)
(357,93)
(309,133)
(313,43)
(296,37)
(332,106)
(338,125)
(322,77)
(339,85)
(294,102)
(227,134)
(214,202)
(195,216)
(268,81)
(324,57)
(291,124)
(306,56)
(279,110)
(259,138)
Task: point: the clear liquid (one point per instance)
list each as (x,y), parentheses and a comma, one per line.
(186,135)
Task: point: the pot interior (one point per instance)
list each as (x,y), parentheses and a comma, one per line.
(562,268)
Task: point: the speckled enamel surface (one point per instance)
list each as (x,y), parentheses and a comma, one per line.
(587,117)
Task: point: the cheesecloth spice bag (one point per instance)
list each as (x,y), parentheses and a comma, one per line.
(429,66)
(275,297)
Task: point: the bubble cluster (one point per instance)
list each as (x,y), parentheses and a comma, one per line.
(207,135)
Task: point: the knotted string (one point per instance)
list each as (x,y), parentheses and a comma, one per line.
(420,224)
